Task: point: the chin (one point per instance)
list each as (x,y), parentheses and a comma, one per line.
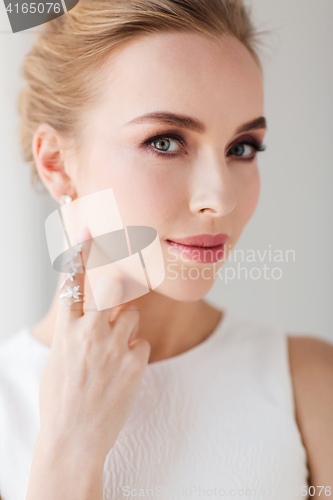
(187,284)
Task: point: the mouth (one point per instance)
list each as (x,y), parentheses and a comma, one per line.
(204,248)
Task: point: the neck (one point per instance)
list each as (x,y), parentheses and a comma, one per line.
(171,327)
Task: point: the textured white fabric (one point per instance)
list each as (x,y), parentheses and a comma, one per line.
(216,421)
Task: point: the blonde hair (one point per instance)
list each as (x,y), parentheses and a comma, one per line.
(59,71)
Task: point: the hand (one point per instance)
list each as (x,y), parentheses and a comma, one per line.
(93,372)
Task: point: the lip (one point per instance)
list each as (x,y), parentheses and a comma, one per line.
(205,248)
(202,240)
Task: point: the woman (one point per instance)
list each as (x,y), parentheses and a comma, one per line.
(166,396)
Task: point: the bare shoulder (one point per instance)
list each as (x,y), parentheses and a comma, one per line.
(311,366)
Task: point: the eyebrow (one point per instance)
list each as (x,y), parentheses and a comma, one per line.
(192,123)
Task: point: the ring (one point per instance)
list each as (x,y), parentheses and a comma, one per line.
(71,271)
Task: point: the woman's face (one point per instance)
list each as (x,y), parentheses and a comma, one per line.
(193,173)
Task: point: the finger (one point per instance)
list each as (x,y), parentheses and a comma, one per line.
(141,348)
(114,312)
(71,292)
(106,292)
(126,326)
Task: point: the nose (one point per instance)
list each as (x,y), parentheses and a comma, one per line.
(211,188)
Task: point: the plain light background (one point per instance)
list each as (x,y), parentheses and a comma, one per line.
(295,207)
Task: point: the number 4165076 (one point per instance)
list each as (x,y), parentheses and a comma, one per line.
(33,8)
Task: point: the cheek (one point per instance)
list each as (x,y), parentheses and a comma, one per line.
(146,193)
(247,196)
(143,201)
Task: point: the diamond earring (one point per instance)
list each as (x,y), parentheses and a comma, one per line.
(65,198)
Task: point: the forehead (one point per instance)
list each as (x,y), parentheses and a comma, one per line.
(183,73)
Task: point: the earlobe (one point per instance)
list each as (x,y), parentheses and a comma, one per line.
(47,148)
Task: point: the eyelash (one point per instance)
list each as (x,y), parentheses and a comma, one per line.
(257,146)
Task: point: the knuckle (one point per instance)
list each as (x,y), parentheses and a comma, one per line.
(132,363)
(115,351)
(89,333)
(90,319)
(125,322)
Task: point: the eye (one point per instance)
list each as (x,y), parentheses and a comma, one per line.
(246,150)
(165,144)
(241,150)
(168,144)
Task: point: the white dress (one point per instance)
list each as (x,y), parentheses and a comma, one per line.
(216,421)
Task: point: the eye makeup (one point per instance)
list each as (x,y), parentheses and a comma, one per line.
(249,141)
(171,134)
(178,137)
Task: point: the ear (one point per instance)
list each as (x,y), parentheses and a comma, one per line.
(48,148)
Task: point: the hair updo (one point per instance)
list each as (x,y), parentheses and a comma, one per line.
(60,70)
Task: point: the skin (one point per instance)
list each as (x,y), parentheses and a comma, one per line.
(204,189)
